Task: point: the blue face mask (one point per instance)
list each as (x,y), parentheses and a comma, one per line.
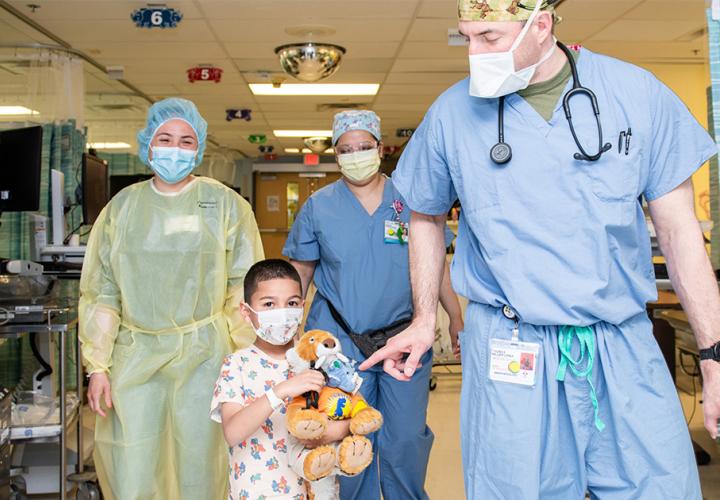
(172,164)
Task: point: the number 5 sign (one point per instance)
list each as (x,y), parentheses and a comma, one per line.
(156,17)
(204,74)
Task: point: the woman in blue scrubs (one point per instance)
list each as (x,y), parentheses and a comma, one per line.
(351,239)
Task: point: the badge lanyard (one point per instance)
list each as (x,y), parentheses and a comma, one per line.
(398,207)
(396,231)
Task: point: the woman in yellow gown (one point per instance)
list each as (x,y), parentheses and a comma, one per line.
(160,289)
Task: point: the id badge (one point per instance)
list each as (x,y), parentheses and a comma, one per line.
(396,232)
(513,362)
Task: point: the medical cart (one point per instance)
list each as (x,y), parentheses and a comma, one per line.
(56,324)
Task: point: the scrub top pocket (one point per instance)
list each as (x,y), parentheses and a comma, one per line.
(616,177)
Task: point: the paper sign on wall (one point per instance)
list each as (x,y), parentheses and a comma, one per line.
(273,203)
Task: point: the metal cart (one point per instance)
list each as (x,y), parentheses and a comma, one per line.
(68,416)
(449,372)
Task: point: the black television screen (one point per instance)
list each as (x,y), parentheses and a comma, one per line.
(20,152)
(120,182)
(94,187)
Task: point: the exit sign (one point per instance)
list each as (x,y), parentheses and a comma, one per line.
(311,160)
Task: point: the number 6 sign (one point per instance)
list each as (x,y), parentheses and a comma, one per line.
(156,17)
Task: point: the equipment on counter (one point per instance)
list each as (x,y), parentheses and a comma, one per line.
(20,169)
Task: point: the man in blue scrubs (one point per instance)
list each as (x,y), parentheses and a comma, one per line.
(564,387)
(351,238)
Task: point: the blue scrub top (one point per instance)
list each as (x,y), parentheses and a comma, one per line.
(366,279)
(563,241)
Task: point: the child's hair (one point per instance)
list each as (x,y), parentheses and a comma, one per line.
(266,270)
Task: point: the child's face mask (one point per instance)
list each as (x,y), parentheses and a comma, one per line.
(278,326)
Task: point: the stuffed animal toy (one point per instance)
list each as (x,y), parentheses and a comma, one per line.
(308,415)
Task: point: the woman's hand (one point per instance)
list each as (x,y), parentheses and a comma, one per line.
(98,391)
(336,431)
(456,326)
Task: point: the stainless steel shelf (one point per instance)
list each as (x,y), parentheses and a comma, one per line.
(71,419)
(55,322)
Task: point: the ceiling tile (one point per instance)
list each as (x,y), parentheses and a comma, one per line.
(10,35)
(438,10)
(76,32)
(440,65)
(594,10)
(312,101)
(578,31)
(94,9)
(363,50)
(638,52)
(107,52)
(412,90)
(647,31)
(20,29)
(435,50)
(306,12)
(667,11)
(342,76)
(424,77)
(348,30)
(430,30)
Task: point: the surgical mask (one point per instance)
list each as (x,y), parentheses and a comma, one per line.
(494,75)
(278,326)
(359,166)
(172,164)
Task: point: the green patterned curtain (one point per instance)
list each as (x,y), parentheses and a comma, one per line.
(62,149)
(124,164)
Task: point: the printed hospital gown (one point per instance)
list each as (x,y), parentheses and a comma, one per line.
(259,466)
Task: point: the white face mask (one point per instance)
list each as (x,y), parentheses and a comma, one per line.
(278,326)
(494,75)
(360,165)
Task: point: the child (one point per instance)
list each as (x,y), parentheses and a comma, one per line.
(253,388)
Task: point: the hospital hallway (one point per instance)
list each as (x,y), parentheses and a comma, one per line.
(237,237)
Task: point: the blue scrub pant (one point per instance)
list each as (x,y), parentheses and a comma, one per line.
(537,442)
(402,445)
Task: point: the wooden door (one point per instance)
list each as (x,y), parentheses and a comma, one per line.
(278,198)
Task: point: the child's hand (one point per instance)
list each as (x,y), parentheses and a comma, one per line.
(336,431)
(309,380)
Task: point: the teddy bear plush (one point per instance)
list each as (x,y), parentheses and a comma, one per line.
(309,414)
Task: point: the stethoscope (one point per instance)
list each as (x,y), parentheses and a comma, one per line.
(501,152)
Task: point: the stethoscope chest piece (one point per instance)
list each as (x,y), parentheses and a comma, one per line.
(501,153)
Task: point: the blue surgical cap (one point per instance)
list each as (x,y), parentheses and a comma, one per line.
(357,119)
(170,109)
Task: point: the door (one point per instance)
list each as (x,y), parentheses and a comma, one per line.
(278,198)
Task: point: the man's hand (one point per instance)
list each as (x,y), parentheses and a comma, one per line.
(711,395)
(412,342)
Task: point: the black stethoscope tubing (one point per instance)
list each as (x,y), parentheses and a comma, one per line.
(501,152)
